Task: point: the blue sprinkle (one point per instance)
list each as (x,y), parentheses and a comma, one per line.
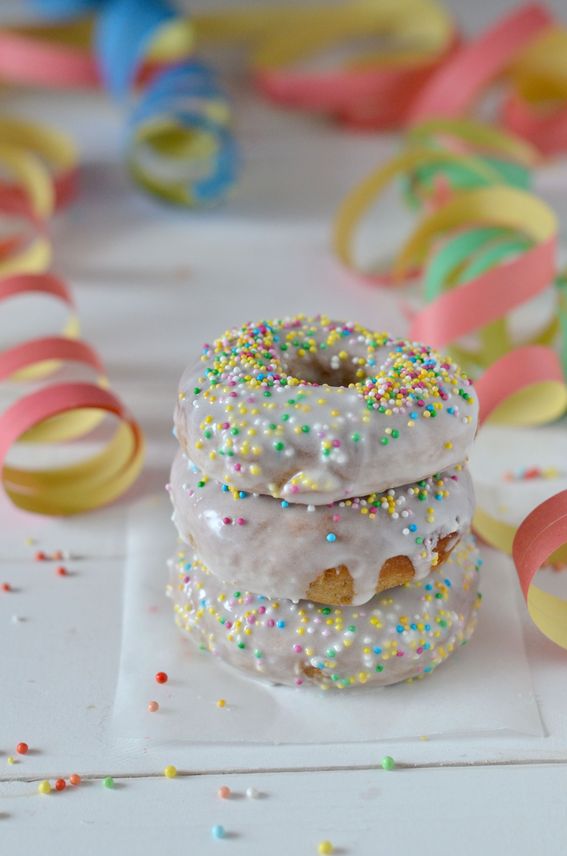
(448,583)
(226,488)
(377,650)
(217,831)
(280,623)
(413,415)
(331,537)
(412,527)
(451,410)
(284,504)
(242,494)
(428,626)
(428,587)
(399,628)
(187,566)
(428,669)
(413,626)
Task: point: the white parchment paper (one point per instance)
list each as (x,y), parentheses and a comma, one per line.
(485,688)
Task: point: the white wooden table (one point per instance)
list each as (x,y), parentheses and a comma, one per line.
(152,284)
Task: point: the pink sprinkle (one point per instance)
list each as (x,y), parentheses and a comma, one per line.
(336,443)
(298,649)
(237,467)
(228,624)
(225,425)
(294,488)
(399,653)
(419,650)
(251,619)
(227,520)
(186,579)
(420,402)
(233,394)
(336,518)
(298,681)
(241,521)
(270,622)
(261,610)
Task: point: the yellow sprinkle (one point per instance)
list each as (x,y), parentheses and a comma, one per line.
(10,759)
(221,702)
(170,771)
(44,787)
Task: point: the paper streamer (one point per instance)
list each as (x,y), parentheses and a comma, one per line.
(179,142)
(42,166)
(483,247)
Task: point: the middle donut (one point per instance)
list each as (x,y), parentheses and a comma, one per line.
(341,553)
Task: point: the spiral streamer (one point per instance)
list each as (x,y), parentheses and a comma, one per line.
(179,141)
(483,246)
(42,167)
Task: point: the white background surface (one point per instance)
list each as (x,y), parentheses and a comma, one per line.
(152,284)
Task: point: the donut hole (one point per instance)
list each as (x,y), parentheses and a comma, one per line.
(328,369)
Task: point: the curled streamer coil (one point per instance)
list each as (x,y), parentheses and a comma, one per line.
(42,176)
(483,246)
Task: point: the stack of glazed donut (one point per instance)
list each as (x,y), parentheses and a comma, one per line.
(322,494)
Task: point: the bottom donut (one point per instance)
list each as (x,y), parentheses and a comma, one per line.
(401,634)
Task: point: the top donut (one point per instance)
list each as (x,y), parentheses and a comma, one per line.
(312,410)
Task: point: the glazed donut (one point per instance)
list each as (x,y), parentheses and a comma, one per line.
(313,410)
(401,634)
(341,553)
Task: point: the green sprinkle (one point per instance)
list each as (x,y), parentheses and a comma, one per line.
(285,417)
(326,610)
(267,393)
(208,434)
(384,441)
(234,431)
(395,433)
(108,782)
(197,390)
(388,763)
(379,667)
(356,437)
(306,429)
(279,446)
(242,645)
(201,483)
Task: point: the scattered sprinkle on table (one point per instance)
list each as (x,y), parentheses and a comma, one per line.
(10,759)
(252,793)
(221,702)
(22,748)
(61,571)
(224,792)
(325,847)
(40,556)
(388,763)
(44,787)
(218,831)
(60,785)
(75,779)
(162,677)
(6,587)
(170,771)
(108,782)
(153,706)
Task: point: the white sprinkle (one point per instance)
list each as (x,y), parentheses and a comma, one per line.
(252,793)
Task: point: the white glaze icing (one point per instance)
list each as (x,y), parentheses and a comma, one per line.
(263,544)
(314,410)
(400,634)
